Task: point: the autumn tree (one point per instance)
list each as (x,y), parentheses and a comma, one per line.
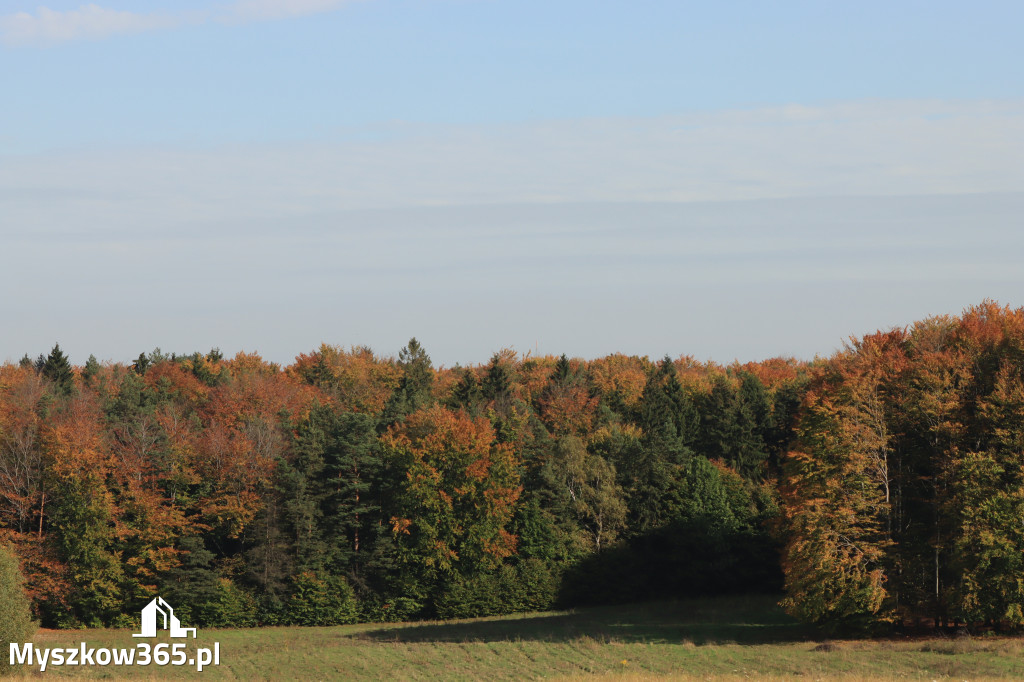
(22,490)
(454,496)
(567,405)
(839,498)
(84,516)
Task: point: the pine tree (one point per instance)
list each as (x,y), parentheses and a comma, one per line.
(141,364)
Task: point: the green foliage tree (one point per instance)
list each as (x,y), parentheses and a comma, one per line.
(84,528)
(587,486)
(988,502)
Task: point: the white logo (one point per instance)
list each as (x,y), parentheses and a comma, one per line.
(156,614)
(170,621)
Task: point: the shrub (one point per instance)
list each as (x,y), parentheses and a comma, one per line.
(15,612)
(531,585)
(382,609)
(320,602)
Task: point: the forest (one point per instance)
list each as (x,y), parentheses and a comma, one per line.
(879,488)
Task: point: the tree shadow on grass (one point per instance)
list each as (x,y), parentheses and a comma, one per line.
(741,620)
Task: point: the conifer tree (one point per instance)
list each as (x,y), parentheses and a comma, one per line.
(91,369)
(57,369)
(413,391)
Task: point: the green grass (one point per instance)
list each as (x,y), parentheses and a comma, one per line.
(732,638)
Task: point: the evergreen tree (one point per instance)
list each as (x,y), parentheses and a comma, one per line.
(82,519)
(193,585)
(467,393)
(141,364)
(57,369)
(353,467)
(413,391)
(91,369)
(330,492)
(301,484)
(651,471)
(667,414)
(734,422)
(497,383)
(562,373)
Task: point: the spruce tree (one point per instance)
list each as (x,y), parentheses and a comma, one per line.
(467,393)
(413,390)
(563,371)
(497,383)
(91,369)
(57,369)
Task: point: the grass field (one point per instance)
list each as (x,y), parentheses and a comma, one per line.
(726,639)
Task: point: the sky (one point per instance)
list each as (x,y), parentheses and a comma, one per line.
(731,181)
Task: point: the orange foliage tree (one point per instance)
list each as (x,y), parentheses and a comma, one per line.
(456,492)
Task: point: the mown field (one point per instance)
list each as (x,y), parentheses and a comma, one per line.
(726,639)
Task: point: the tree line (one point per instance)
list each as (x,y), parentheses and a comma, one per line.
(878,486)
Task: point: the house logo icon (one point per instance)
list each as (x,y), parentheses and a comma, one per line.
(160,611)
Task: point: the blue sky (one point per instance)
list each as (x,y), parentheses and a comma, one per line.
(578,177)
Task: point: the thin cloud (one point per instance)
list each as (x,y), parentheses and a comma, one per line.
(866,148)
(91,22)
(275,231)
(269,10)
(88,22)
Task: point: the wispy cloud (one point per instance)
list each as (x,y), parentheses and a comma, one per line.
(267,10)
(88,22)
(245,245)
(48,27)
(844,149)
